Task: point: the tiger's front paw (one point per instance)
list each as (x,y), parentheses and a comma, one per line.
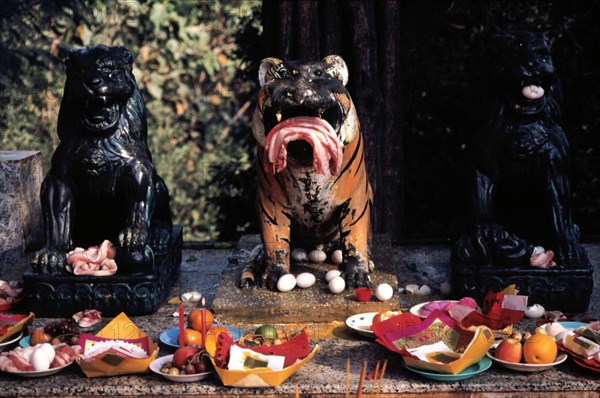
(356,273)
(271,276)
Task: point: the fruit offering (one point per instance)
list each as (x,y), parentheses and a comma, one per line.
(188,361)
(538,349)
(264,335)
(195,319)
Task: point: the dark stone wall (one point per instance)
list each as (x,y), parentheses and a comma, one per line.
(417,76)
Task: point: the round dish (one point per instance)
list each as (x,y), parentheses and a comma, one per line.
(40,373)
(158,363)
(527,367)
(170,336)
(361,323)
(10,340)
(469,372)
(416,309)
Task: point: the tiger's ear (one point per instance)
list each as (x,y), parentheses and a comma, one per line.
(270,69)
(337,68)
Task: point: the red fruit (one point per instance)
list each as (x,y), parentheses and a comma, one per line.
(200,367)
(509,350)
(182,354)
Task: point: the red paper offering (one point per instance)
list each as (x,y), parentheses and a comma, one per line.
(499,311)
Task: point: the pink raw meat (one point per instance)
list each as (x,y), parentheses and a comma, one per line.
(327,150)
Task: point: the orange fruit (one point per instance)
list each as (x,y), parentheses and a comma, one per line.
(216,330)
(192,337)
(195,319)
(540,349)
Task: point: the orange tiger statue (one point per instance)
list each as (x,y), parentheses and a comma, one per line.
(313,189)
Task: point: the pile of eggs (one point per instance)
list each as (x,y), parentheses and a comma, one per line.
(335,283)
(42,356)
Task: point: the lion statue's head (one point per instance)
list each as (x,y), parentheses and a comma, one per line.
(523,75)
(101,96)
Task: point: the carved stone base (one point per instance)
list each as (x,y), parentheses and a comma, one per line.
(567,290)
(56,296)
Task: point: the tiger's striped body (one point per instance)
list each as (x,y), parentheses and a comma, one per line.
(313,186)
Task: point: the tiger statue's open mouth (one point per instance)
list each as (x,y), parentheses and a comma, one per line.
(297,132)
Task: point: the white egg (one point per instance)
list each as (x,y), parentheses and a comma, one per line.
(411,289)
(317,256)
(299,254)
(423,290)
(332,274)
(286,283)
(40,359)
(384,292)
(47,347)
(337,285)
(535,311)
(337,257)
(305,280)
(27,352)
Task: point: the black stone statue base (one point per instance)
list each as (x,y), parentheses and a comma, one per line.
(56,296)
(566,290)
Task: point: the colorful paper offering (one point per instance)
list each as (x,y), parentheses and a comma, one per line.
(499,311)
(251,365)
(119,348)
(435,343)
(11,324)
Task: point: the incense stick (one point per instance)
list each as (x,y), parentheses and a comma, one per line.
(380,381)
(361,381)
(348,378)
(375,376)
(297,392)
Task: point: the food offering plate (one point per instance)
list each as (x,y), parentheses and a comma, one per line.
(361,323)
(416,309)
(10,340)
(469,372)
(157,364)
(170,336)
(527,367)
(40,373)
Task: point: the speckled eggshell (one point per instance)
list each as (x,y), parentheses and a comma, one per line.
(384,292)
(305,280)
(337,285)
(286,283)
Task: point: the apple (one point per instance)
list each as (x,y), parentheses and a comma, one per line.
(182,354)
(509,350)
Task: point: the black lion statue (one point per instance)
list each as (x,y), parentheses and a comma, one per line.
(102,183)
(519,181)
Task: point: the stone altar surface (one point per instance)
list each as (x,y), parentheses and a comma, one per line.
(324,376)
(20,210)
(314,304)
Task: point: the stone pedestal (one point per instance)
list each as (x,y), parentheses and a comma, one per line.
(564,289)
(315,304)
(20,211)
(62,295)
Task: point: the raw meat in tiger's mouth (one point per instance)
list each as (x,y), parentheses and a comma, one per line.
(317,132)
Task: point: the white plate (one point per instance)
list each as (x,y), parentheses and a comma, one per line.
(361,323)
(11,340)
(41,373)
(527,367)
(416,309)
(158,363)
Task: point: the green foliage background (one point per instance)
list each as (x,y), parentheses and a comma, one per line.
(190,66)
